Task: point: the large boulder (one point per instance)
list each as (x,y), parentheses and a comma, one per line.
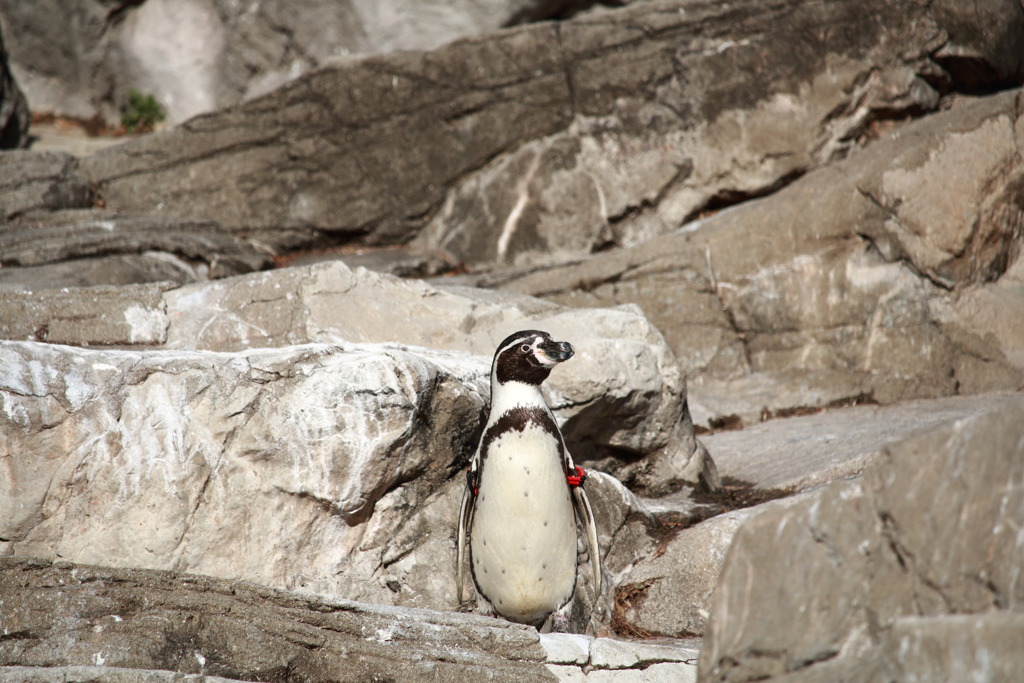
(874,279)
(670,591)
(588,138)
(129,458)
(621,125)
(323,468)
(905,572)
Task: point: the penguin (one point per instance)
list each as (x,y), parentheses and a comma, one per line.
(524,495)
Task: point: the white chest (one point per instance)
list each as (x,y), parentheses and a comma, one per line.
(523,538)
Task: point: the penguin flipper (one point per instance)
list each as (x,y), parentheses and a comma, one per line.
(465,516)
(585,514)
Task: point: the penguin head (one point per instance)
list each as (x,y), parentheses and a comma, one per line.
(528,357)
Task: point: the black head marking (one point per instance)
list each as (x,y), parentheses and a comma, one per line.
(528,357)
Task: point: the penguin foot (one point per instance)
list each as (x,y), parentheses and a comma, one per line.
(559,623)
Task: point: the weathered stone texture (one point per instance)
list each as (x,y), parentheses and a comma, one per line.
(930,531)
(828,284)
(740,188)
(122,315)
(627,122)
(80,58)
(671,589)
(177,443)
(347,450)
(65,235)
(33,182)
(66,615)
(623,394)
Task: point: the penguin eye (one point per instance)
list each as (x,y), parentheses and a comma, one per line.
(525,348)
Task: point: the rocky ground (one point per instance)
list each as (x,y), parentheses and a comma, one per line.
(245,357)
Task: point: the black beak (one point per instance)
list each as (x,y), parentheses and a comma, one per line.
(557,352)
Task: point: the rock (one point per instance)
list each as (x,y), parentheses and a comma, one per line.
(669,592)
(804,452)
(400,261)
(735,403)
(304,441)
(94,624)
(835,290)
(175,442)
(622,402)
(130,619)
(36,182)
(964,233)
(62,81)
(129,270)
(967,55)
(582,658)
(623,391)
(986,322)
(700,131)
(14,114)
(199,55)
(626,122)
(621,398)
(52,235)
(306,428)
(955,647)
(61,236)
(895,565)
(391,127)
(132,314)
(350,449)
(199,249)
(100,674)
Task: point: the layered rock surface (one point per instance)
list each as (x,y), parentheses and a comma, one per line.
(621,125)
(624,391)
(875,279)
(130,620)
(305,428)
(671,591)
(71,622)
(198,55)
(912,570)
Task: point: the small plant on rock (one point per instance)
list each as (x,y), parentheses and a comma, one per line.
(142,114)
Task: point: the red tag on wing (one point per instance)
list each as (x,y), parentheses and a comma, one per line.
(578,478)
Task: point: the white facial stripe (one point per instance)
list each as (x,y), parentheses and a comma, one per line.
(521,340)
